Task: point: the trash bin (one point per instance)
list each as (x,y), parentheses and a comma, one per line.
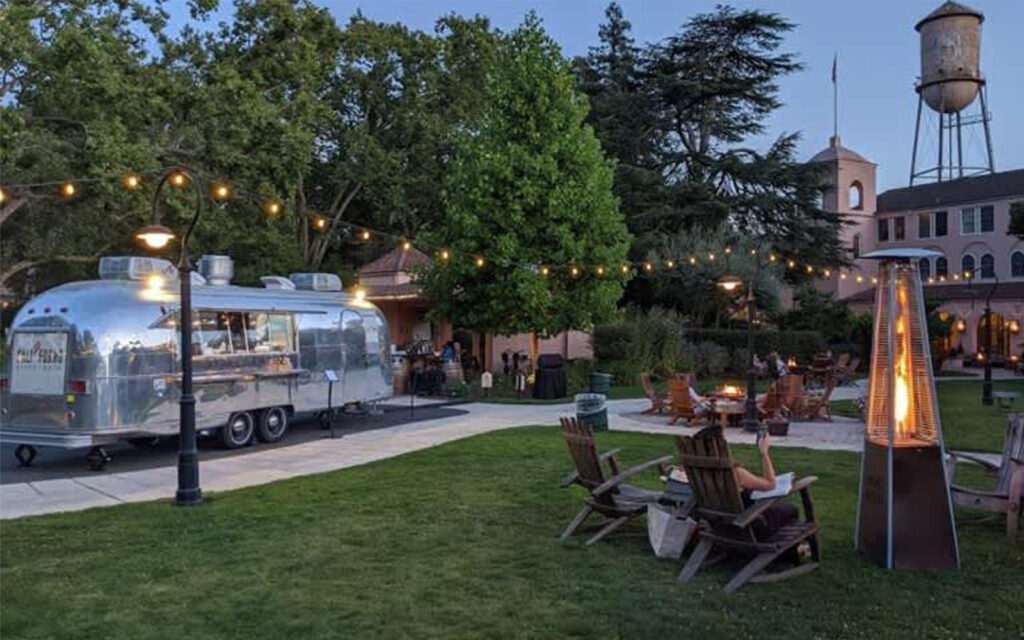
(592,411)
(550,380)
(600,382)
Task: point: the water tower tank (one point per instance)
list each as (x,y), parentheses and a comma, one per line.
(950,52)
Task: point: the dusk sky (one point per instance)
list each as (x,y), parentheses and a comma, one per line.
(878,63)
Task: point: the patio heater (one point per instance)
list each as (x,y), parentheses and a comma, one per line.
(904,511)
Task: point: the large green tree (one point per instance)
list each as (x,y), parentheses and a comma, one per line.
(529,189)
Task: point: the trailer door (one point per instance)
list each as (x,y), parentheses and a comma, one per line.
(354,337)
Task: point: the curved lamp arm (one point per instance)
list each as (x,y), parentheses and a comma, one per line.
(183,255)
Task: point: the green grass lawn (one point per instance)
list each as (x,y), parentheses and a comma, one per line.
(459,542)
(966,423)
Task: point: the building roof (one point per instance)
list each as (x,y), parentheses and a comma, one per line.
(947,9)
(378,292)
(395,261)
(1005,184)
(836,151)
(975,291)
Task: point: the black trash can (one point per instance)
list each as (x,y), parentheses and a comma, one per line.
(550,380)
(592,411)
(600,382)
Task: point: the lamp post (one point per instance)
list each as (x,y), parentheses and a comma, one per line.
(731,283)
(986,387)
(157,236)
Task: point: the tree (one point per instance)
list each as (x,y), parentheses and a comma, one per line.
(530,189)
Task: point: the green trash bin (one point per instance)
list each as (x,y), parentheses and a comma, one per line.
(600,382)
(591,411)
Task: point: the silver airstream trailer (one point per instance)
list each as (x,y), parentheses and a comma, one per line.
(95,362)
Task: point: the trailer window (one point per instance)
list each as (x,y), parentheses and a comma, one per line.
(270,332)
(214,335)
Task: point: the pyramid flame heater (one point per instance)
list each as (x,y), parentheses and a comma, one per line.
(904,511)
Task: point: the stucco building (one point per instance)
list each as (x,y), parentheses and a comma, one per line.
(965,220)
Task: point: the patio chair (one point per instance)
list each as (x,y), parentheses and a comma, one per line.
(610,496)
(728,525)
(846,374)
(791,389)
(772,405)
(842,361)
(817,405)
(659,401)
(682,405)
(1008,495)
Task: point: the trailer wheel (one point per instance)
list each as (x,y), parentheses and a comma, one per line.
(272,425)
(238,431)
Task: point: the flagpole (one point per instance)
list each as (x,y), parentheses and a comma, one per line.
(835,98)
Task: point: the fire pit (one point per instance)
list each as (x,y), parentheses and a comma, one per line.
(904,512)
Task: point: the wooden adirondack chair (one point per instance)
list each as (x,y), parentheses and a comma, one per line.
(682,407)
(1008,495)
(659,402)
(772,405)
(726,524)
(818,405)
(610,496)
(791,388)
(842,361)
(846,373)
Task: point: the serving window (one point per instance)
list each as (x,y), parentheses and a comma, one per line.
(224,333)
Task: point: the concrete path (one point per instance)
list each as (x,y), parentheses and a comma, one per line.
(322,455)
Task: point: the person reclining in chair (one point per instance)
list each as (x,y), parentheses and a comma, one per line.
(779,514)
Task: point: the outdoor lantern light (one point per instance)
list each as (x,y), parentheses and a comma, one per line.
(961,326)
(406,245)
(904,511)
(360,294)
(155,236)
(1014,327)
(730,283)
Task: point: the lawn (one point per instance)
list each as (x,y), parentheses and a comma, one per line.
(459,542)
(967,424)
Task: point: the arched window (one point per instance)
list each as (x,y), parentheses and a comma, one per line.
(856,246)
(967,265)
(856,195)
(988,266)
(925,266)
(941,267)
(1017,264)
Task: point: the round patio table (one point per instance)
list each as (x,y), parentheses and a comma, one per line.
(727,410)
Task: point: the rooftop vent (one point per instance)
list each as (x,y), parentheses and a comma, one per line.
(316,281)
(135,268)
(218,270)
(277,282)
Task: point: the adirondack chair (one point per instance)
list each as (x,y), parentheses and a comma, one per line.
(682,406)
(842,361)
(791,388)
(846,373)
(1008,495)
(772,404)
(819,404)
(730,526)
(659,402)
(610,496)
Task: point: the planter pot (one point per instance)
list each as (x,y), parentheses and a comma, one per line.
(777,427)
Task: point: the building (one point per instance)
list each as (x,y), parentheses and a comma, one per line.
(389,282)
(965,220)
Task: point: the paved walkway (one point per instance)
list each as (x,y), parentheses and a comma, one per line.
(322,455)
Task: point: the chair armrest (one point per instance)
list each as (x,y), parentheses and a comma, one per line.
(989,466)
(569,479)
(629,473)
(610,454)
(573,477)
(754,511)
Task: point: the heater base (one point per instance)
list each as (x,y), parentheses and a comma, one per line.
(923,532)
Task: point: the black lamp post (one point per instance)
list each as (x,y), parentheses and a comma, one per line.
(986,387)
(157,236)
(730,283)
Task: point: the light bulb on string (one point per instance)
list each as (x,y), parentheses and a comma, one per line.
(728,250)
(600,272)
(771,258)
(272,207)
(670,264)
(648,267)
(365,235)
(321,223)
(544,271)
(68,190)
(445,255)
(131,181)
(575,271)
(220,192)
(178,179)
(711,257)
(625,268)
(479,262)
(406,245)
(810,269)
(791,264)
(860,279)
(3,196)
(693,260)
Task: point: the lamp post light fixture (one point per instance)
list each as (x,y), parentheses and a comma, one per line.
(730,284)
(157,236)
(986,386)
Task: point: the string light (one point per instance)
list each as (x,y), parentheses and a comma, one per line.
(728,250)
(178,179)
(874,280)
(828,274)
(444,254)
(3,196)
(671,264)
(600,271)
(272,207)
(625,268)
(791,264)
(479,262)
(544,271)
(131,181)
(693,260)
(68,190)
(842,276)
(810,269)
(406,245)
(220,191)
(575,271)
(321,223)
(771,258)
(648,267)
(860,279)
(711,257)
(365,235)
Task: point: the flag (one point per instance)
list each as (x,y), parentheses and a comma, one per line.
(835,60)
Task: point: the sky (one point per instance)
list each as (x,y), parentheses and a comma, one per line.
(877,48)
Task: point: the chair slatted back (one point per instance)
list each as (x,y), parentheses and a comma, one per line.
(842,361)
(709,467)
(645,382)
(792,391)
(773,400)
(679,394)
(580,440)
(1013,447)
(852,367)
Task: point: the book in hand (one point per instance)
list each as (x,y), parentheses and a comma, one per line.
(783,484)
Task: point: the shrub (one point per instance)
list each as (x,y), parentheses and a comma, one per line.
(802,344)
(578,374)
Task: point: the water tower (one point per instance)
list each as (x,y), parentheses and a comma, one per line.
(951,81)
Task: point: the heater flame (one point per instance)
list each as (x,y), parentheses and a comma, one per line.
(901,401)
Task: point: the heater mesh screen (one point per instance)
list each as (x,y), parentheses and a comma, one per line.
(901,393)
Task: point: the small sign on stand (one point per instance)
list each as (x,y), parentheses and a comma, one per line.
(332,377)
(486,383)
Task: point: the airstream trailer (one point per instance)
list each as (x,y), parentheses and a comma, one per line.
(92,363)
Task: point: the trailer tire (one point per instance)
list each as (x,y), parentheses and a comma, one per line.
(238,431)
(272,425)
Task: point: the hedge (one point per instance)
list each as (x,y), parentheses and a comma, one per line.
(802,344)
